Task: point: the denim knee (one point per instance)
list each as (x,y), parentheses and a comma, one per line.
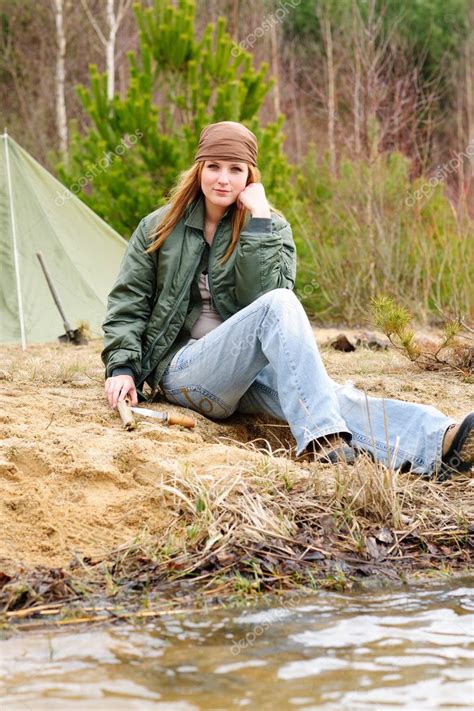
(280,298)
(279,306)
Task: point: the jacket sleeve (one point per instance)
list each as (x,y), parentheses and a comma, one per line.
(265,258)
(129,306)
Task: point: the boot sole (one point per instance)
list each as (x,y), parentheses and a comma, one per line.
(460,456)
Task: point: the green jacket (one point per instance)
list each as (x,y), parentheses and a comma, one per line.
(155,301)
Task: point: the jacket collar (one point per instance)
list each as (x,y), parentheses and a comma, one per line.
(196,212)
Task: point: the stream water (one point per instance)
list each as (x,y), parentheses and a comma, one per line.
(385,650)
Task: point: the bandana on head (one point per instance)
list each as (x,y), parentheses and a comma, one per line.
(227,140)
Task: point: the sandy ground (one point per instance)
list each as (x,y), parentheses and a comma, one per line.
(74,482)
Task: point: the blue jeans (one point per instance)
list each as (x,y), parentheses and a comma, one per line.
(265,360)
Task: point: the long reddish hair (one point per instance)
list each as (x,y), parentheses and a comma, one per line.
(186,191)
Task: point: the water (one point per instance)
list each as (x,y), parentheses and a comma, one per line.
(377,651)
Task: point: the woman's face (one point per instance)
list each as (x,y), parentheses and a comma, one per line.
(222,181)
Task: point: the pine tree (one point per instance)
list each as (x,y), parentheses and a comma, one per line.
(137,145)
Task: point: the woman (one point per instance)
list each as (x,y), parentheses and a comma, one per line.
(203,309)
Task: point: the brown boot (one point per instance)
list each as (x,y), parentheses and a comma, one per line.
(459,456)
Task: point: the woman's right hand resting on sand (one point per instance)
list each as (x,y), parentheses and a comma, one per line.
(118,387)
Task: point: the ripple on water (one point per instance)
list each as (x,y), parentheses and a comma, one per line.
(407,650)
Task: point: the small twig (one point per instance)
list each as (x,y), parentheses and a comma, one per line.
(399,540)
(50,421)
(464,325)
(33,610)
(106,618)
(96,380)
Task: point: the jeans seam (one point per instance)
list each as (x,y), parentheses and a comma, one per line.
(267,389)
(378,444)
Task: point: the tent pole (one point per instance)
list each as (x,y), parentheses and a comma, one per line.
(15,248)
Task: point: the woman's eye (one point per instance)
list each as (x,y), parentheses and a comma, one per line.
(235,168)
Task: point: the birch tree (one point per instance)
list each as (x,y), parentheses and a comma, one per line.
(61,115)
(331,88)
(114,17)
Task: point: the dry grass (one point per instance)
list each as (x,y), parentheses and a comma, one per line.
(273,525)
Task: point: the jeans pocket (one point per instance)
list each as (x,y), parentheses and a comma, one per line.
(197,398)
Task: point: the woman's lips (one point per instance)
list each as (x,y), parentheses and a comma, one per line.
(226,192)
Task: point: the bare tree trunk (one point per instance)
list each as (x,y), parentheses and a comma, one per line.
(327,34)
(110,49)
(296,110)
(372,126)
(467,144)
(61,116)
(114,20)
(357,80)
(461,135)
(469,63)
(235,20)
(275,72)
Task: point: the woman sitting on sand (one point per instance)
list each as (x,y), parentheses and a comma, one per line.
(203,309)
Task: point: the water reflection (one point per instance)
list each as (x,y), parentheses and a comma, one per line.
(402,650)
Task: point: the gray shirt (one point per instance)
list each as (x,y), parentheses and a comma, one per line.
(209,317)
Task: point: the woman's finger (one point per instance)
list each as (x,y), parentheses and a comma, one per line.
(115,393)
(133,395)
(120,392)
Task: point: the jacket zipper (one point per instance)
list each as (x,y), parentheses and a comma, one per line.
(177,305)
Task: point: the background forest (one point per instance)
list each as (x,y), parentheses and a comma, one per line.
(364,110)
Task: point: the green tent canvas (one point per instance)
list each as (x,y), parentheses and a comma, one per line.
(82,253)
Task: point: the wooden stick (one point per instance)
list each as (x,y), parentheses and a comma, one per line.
(126,415)
(107,618)
(26,611)
(182,420)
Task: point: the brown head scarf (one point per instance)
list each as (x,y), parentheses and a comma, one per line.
(227,140)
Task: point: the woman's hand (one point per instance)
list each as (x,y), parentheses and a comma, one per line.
(254,199)
(118,387)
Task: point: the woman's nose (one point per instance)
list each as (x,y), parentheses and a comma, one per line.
(223,178)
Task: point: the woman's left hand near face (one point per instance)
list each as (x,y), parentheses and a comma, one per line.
(254,199)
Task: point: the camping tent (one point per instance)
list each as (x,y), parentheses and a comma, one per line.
(82,253)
